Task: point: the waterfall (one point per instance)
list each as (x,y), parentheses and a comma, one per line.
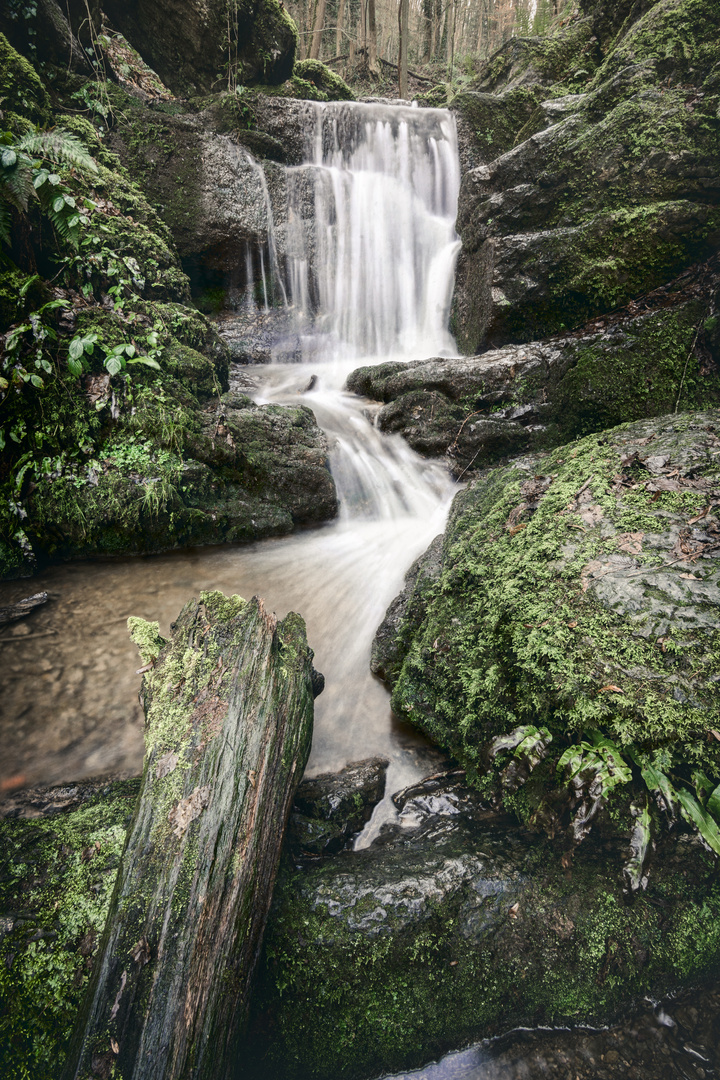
(371,243)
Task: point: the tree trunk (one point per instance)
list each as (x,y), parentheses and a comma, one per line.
(229,708)
(373,66)
(339,27)
(403,19)
(317,30)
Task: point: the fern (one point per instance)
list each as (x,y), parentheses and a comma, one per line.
(58,146)
(23,176)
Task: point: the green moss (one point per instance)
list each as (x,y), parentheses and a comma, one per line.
(58,876)
(337,1000)
(329,85)
(512,633)
(21,90)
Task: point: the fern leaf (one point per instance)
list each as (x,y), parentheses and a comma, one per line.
(57,145)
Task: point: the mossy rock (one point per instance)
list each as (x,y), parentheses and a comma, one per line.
(578,592)
(58,876)
(21,89)
(457,926)
(329,85)
(495,119)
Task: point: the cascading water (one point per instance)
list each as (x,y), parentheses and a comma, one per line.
(367,261)
(370,271)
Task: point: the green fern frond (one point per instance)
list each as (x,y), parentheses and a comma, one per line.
(57,145)
(5,221)
(16,184)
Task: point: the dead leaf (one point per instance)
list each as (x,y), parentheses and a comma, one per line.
(690,577)
(148,667)
(115,1047)
(715,733)
(572,624)
(188,809)
(630,542)
(513,912)
(166,764)
(700,516)
(610,688)
(141,953)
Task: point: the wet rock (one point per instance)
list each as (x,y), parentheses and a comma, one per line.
(13,612)
(577,600)
(477,410)
(560,226)
(332,808)
(453,926)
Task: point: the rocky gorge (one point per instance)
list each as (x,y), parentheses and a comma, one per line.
(558,643)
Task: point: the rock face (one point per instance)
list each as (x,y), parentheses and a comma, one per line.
(607,193)
(454,926)
(332,808)
(186,42)
(572,620)
(656,356)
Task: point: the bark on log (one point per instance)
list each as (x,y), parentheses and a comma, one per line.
(22,608)
(229,709)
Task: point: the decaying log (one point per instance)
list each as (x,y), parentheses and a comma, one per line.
(22,608)
(229,709)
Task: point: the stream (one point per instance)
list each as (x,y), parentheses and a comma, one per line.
(364,272)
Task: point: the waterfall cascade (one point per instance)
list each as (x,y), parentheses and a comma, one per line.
(367,262)
(371,272)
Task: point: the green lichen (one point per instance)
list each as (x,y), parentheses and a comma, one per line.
(21,90)
(58,877)
(146,635)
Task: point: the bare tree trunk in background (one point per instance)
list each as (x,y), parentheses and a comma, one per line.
(437,16)
(339,27)
(403,20)
(317,30)
(450,55)
(373,66)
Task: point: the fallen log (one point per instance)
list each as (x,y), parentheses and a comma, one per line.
(22,608)
(229,709)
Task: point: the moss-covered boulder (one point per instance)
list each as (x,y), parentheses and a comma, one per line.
(576,605)
(455,926)
(477,410)
(187,43)
(59,868)
(22,92)
(612,192)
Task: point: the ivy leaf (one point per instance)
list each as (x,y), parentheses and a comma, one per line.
(114,364)
(706,826)
(147,361)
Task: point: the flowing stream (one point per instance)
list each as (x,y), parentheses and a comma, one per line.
(367,276)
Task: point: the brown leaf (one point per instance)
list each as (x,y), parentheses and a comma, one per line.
(166,764)
(188,809)
(513,912)
(630,542)
(690,577)
(611,688)
(715,733)
(572,624)
(141,953)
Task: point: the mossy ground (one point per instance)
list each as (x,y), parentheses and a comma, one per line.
(57,878)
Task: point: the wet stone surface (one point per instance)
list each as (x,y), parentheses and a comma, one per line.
(676,1038)
(332,808)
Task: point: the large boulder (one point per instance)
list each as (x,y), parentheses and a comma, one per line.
(607,193)
(567,635)
(186,42)
(455,926)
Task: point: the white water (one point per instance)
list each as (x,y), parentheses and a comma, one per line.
(370,271)
(378,269)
